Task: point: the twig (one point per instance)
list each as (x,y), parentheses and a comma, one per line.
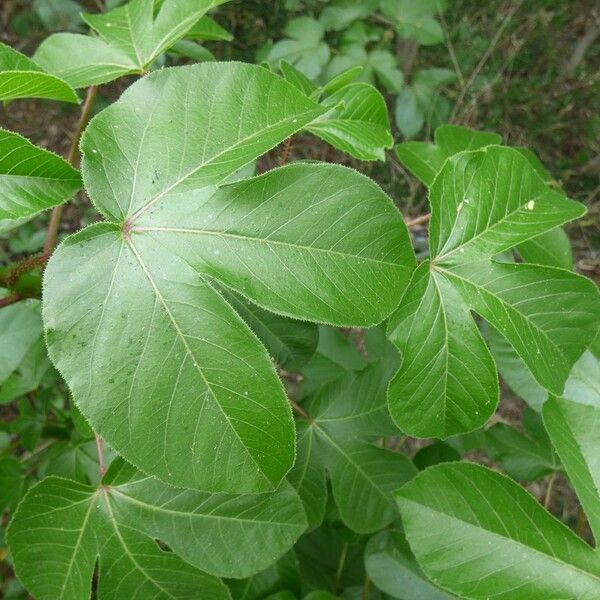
(86,112)
(10,299)
(366,588)
(581,522)
(287,149)
(451,51)
(418,220)
(340,569)
(297,408)
(484,59)
(549,489)
(100,449)
(582,47)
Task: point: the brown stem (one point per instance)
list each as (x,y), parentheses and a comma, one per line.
(57,212)
(581,523)
(11,299)
(297,408)
(100,449)
(549,489)
(21,268)
(366,588)
(287,149)
(418,221)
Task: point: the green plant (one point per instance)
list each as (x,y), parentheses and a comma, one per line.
(212,397)
(357,34)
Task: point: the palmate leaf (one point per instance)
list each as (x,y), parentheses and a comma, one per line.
(425,160)
(483,203)
(21,77)
(156,358)
(32,179)
(344,417)
(131,38)
(480,535)
(62,527)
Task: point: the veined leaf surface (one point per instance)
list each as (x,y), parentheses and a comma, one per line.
(483,203)
(156,358)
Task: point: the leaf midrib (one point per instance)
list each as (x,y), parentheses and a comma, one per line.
(265,241)
(194,361)
(193,515)
(239,143)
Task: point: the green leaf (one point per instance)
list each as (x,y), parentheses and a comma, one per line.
(290,343)
(392,567)
(21,77)
(224,535)
(20,328)
(379,65)
(206,29)
(189,49)
(552,248)
(284,574)
(73,524)
(153,344)
(342,13)
(572,426)
(131,38)
(359,124)
(304,48)
(297,78)
(480,535)
(342,80)
(91,60)
(343,417)
(308,476)
(32,179)
(416,19)
(434,454)
(425,160)
(483,203)
(336,355)
(12,482)
(142,36)
(514,371)
(521,457)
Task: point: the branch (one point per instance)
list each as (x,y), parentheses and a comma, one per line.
(418,220)
(11,299)
(57,212)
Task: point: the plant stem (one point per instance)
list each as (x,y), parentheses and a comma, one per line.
(287,149)
(297,408)
(340,569)
(548,496)
(100,449)
(366,588)
(581,522)
(57,212)
(418,221)
(10,299)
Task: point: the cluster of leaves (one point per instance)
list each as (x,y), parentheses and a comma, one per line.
(174,319)
(365,35)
